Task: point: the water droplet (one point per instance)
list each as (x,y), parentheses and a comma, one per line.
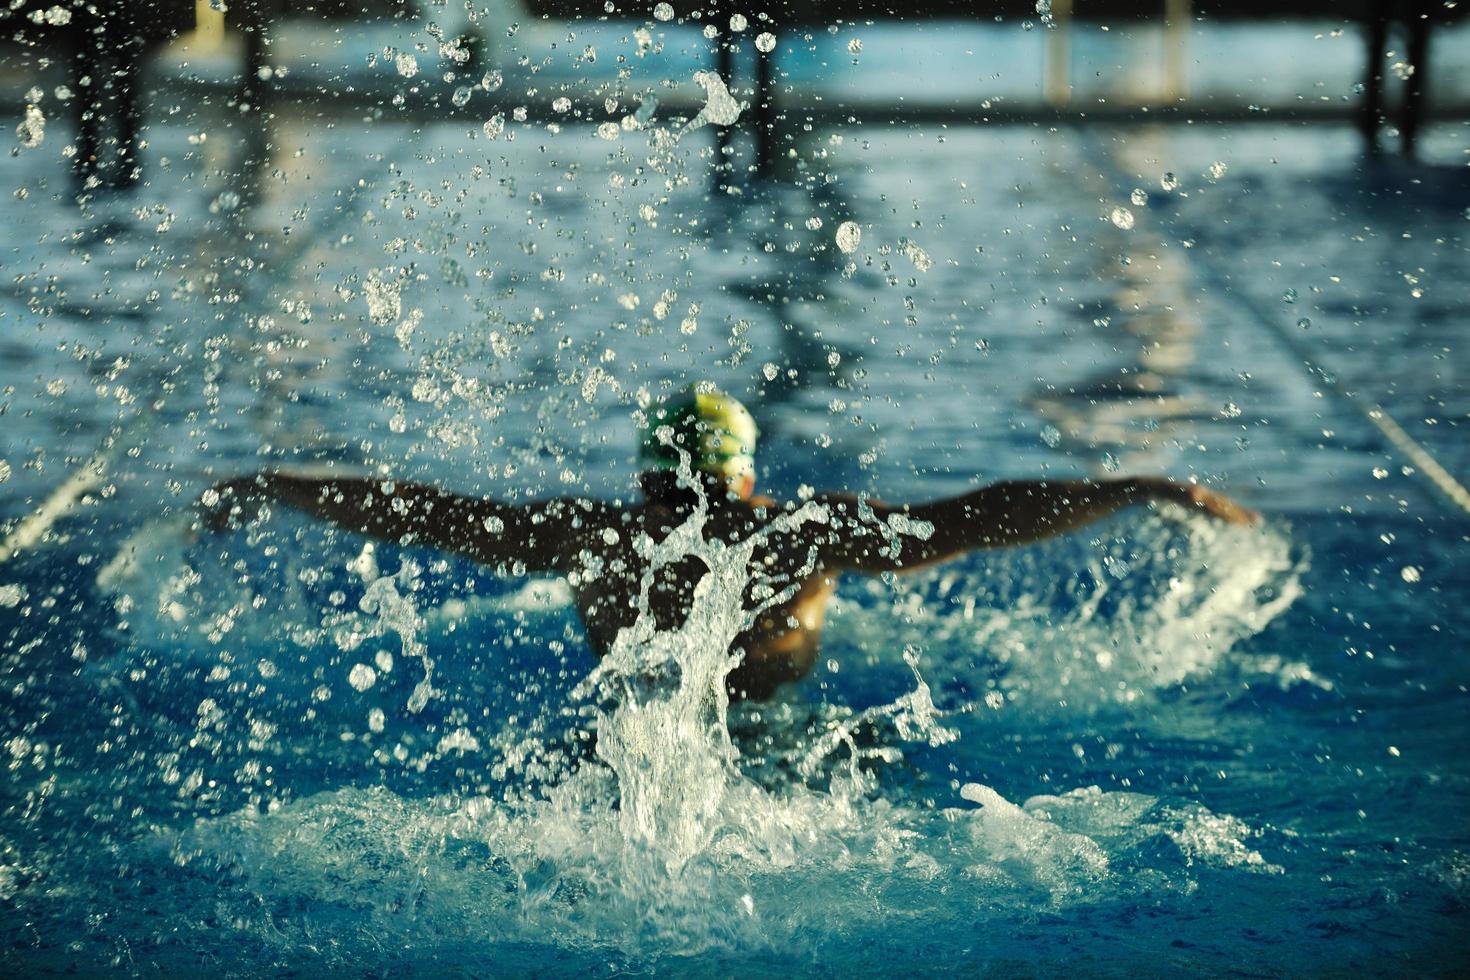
(1139,197)
(561,104)
(1169,182)
(1111,463)
(855,47)
(1051,435)
(1217,170)
(849,237)
(461,95)
(1121,217)
(738,23)
(1305,323)
(1409,574)
(916,255)
(32,128)
(982,345)
(1288,296)
(765,42)
(1230,410)
(663,12)
(362,677)
(407,64)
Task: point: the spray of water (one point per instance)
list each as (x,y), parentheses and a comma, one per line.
(663,840)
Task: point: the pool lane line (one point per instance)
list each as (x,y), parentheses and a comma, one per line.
(63,500)
(1426,464)
(31,530)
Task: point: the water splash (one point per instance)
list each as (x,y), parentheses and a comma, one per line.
(1083,623)
(665,841)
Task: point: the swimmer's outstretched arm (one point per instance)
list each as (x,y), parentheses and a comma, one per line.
(537,537)
(998,516)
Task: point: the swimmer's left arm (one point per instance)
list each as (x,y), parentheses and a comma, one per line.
(877,537)
(538,536)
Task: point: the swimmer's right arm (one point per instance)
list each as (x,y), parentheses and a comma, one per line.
(877,537)
(537,537)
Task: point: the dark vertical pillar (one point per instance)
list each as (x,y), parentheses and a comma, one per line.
(126,82)
(252,27)
(1376,35)
(763,113)
(90,110)
(1416,94)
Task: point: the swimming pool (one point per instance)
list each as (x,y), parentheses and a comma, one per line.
(1158,745)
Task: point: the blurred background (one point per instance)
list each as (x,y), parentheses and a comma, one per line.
(209,197)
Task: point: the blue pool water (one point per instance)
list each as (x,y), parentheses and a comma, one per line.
(1158,745)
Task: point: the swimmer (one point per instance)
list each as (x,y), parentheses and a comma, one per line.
(717,435)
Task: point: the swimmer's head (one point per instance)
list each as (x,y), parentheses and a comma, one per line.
(716,432)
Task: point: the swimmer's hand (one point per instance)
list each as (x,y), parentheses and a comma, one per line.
(1198,499)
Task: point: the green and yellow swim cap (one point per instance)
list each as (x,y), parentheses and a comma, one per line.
(715,430)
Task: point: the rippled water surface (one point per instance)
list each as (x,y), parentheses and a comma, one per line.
(1157,745)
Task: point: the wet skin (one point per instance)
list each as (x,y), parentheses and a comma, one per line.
(590,541)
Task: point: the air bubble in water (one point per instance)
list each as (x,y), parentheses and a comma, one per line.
(561,104)
(1139,197)
(1305,323)
(813,223)
(461,95)
(1288,296)
(765,42)
(849,237)
(1121,217)
(1217,169)
(1409,574)
(663,12)
(855,47)
(407,65)
(1169,182)
(1051,435)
